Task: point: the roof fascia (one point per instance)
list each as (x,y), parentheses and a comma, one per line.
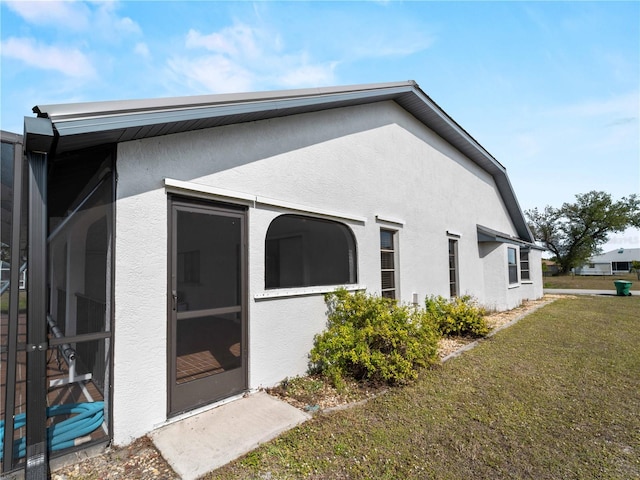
(97,117)
(486,234)
(141,118)
(60,112)
(497,170)
(451,123)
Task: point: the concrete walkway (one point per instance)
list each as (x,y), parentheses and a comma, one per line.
(570,291)
(209,440)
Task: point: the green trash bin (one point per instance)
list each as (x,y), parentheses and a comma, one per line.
(623,287)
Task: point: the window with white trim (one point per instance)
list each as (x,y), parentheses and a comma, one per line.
(621,266)
(305,251)
(453,268)
(388,263)
(524,265)
(513,265)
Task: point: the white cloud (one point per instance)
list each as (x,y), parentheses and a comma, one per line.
(107,21)
(70,15)
(309,75)
(76,16)
(619,106)
(212,74)
(398,46)
(604,127)
(244,58)
(71,61)
(236,40)
(141,49)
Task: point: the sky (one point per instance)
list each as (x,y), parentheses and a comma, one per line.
(550,89)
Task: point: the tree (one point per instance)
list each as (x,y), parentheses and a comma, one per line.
(4,252)
(576,231)
(635,267)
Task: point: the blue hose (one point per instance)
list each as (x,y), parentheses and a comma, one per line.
(68,433)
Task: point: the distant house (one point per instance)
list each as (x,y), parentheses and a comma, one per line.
(186,243)
(549,268)
(610,263)
(4,277)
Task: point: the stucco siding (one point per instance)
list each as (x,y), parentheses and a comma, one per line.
(533,288)
(375,162)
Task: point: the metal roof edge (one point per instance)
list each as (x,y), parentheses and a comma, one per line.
(486,234)
(498,171)
(456,126)
(96,122)
(58,112)
(513,206)
(94,118)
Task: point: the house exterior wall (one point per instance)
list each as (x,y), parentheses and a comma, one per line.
(374,164)
(595,269)
(533,287)
(610,263)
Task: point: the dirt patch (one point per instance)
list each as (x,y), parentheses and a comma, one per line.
(140,461)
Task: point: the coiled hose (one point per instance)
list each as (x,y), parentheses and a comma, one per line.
(69,433)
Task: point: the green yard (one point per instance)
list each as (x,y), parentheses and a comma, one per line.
(22,301)
(590,282)
(553,397)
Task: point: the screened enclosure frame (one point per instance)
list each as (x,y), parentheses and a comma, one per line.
(50,393)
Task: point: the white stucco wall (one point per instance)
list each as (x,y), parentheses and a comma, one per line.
(368,161)
(533,288)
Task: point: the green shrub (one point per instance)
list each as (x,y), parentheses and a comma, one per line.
(373,338)
(458,316)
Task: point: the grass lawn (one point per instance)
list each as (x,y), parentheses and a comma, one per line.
(590,282)
(553,397)
(22,301)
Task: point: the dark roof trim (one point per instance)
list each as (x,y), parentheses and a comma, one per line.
(83,125)
(486,234)
(86,118)
(38,135)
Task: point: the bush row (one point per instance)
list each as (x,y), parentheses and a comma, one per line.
(458,316)
(379,340)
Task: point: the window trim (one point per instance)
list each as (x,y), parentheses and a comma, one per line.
(525,273)
(456,272)
(512,267)
(306,291)
(210,192)
(615,266)
(307,286)
(394,252)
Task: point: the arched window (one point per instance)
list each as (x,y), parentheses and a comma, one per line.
(304,251)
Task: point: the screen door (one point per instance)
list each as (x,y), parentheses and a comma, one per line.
(207,311)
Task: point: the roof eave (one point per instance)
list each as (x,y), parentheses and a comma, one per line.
(88,124)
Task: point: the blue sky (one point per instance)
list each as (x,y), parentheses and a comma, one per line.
(551,89)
